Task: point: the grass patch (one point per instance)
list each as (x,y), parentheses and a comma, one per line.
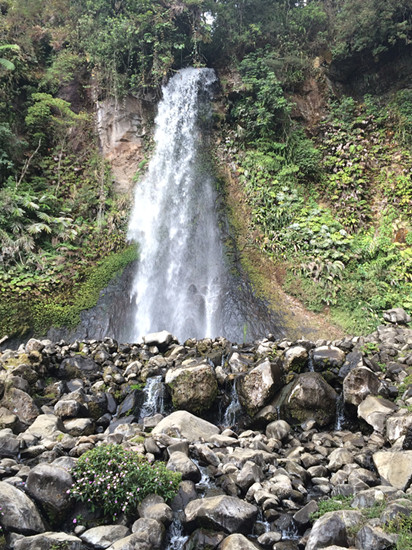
(63,309)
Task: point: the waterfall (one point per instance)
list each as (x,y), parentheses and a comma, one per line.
(178,285)
(153,397)
(233,409)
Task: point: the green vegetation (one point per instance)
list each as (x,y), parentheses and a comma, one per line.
(115,480)
(400,525)
(346,247)
(58,304)
(334,504)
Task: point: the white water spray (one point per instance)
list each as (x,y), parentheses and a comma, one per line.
(178,285)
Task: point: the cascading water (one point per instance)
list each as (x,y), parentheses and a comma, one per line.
(154,393)
(178,285)
(184,282)
(231,412)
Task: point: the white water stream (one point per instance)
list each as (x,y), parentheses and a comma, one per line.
(178,285)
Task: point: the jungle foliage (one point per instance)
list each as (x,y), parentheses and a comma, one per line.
(332,199)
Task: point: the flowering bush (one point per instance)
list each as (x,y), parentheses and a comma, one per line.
(116,480)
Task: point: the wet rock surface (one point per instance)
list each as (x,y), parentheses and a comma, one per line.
(315,422)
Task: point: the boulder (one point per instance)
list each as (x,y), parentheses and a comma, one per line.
(48,486)
(67,408)
(331,529)
(375,410)
(226,513)
(77,427)
(309,397)
(325,357)
(33,345)
(19,513)
(149,533)
(47,426)
(353,360)
(154,507)
(256,388)
(239,363)
(203,539)
(398,425)
(130,404)
(161,339)
(7,420)
(248,475)
(186,426)
(358,384)
(394,467)
(9,444)
(278,429)
(104,535)
(374,538)
(179,462)
(48,541)
(295,359)
(303,516)
(237,542)
(186,493)
(22,405)
(193,388)
(338,458)
(397,316)
(79,367)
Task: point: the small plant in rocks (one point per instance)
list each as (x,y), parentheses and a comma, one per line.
(402,526)
(115,480)
(339,502)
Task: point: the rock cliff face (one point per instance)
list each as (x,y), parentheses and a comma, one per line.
(253,483)
(122,126)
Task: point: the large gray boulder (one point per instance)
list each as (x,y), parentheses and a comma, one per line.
(295,358)
(48,485)
(193,388)
(105,535)
(154,507)
(237,542)
(47,426)
(9,444)
(79,367)
(327,357)
(185,425)
(375,410)
(22,405)
(332,529)
(19,512)
(256,388)
(394,467)
(358,384)
(397,316)
(180,462)
(374,538)
(49,541)
(309,397)
(149,533)
(398,425)
(223,512)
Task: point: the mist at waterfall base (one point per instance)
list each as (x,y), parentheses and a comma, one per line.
(184,282)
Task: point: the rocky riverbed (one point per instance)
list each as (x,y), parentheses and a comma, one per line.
(267,436)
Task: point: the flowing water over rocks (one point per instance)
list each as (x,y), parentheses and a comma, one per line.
(246,487)
(183,281)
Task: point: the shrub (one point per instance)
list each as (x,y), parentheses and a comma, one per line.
(116,480)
